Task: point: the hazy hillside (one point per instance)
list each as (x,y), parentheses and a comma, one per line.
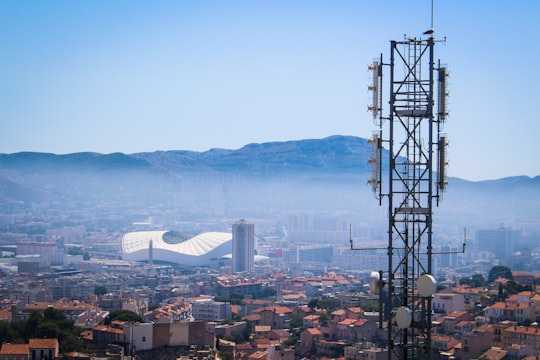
(324,175)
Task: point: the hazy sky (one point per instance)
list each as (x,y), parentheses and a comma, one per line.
(133,76)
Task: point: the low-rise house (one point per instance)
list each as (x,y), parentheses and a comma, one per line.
(230,329)
(447,303)
(258,355)
(278,317)
(262,330)
(345,330)
(355,312)
(450,322)
(308,340)
(519,351)
(14,352)
(280,335)
(226,345)
(248,306)
(311,320)
(90,318)
(497,331)
(494,354)
(5,315)
(473,344)
(71,309)
(471,295)
(365,351)
(169,313)
(246,349)
(43,348)
(523,278)
(280,353)
(210,310)
(510,310)
(365,329)
(535,302)
(444,343)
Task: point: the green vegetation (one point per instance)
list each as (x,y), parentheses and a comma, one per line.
(234,298)
(52,324)
(123,315)
(100,290)
(239,337)
(265,293)
(330,304)
(225,355)
(370,305)
(513,287)
(500,271)
(475,281)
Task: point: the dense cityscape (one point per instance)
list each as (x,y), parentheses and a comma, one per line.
(185,180)
(288,287)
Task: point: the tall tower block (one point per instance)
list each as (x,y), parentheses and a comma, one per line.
(243,246)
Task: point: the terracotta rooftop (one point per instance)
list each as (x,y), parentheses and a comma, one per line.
(314,331)
(43,343)
(14,349)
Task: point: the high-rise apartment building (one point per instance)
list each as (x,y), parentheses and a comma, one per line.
(499,241)
(243,246)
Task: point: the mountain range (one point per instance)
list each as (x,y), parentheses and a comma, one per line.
(307,175)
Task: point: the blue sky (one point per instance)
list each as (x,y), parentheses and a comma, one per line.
(134,76)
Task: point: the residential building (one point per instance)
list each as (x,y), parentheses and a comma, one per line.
(473,344)
(309,338)
(523,335)
(498,241)
(243,246)
(210,310)
(43,349)
(71,309)
(365,351)
(14,352)
(278,317)
(447,303)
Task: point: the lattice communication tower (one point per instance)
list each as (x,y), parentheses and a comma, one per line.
(415,169)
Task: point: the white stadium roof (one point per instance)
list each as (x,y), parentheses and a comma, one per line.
(194,251)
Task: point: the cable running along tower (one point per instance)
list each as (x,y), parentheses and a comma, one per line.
(414,175)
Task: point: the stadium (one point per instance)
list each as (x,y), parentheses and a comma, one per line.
(174,247)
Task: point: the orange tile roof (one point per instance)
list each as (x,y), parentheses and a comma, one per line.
(245,346)
(43,343)
(361,322)
(14,349)
(258,355)
(275,308)
(347,322)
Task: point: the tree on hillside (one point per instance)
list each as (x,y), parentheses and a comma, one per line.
(52,324)
(100,290)
(500,271)
(123,315)
(330,304)
(477,280)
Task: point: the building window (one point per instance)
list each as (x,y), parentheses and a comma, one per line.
(144,338)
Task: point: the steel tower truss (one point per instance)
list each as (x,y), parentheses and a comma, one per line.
(415,143)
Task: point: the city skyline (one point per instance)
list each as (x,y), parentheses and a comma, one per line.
(136,77)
